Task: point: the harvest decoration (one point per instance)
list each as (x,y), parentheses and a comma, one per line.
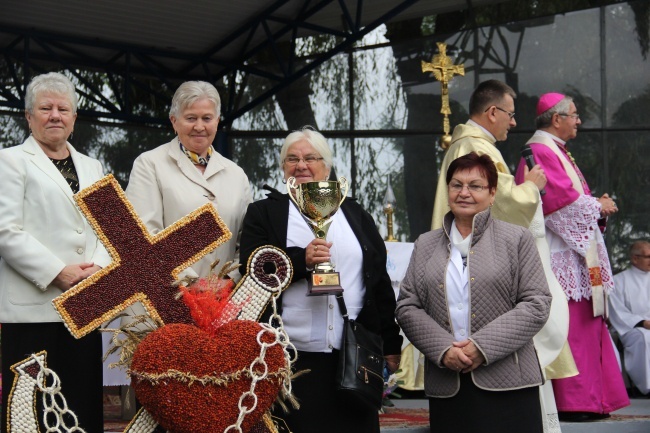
(225,373)
(144,266)
(253,358)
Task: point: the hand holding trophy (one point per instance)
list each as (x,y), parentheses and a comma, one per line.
(318,202)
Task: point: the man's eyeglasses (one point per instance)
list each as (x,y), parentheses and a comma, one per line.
(458,187)
(575,116)
(309,160)
(510,114)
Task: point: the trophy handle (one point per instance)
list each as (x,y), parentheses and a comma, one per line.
(344,188)
(291,188)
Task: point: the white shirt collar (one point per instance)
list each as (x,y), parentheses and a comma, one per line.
(471,122)
(638,271)
(551,136)
(458,241)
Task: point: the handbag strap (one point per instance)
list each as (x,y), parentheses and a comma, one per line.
(342,307)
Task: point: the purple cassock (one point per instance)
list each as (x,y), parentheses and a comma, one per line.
(572,221)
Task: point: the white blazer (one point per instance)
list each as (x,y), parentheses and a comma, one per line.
(41,230)
(164,186)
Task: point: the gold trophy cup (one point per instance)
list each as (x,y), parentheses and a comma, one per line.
(318,202)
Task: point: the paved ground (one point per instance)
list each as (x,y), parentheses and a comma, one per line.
(632,419)
(411,416)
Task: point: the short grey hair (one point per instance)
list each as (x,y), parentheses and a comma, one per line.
(52,82)
(562,107)
(637,247)
(191,91)
(315,138)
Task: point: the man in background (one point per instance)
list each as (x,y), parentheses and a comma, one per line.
(630,314)
(579,260)
(492,114)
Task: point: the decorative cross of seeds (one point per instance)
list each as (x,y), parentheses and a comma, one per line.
(144,266)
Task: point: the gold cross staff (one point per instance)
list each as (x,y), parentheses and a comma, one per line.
(443,70)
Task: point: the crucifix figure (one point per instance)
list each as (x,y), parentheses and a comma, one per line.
(444,70)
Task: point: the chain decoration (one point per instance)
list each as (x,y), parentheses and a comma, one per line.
(260,288)
(32,375)
(282,339)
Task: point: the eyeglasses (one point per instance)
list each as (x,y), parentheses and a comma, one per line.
(510,114)
(575,116)
(309,160)
(458,187)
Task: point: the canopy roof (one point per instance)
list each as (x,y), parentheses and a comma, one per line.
(140,42)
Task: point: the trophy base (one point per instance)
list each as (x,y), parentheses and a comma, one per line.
(324,283)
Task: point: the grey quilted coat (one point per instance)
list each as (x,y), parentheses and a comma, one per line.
(509,302)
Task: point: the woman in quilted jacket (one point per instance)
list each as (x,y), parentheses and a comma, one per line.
(473,297)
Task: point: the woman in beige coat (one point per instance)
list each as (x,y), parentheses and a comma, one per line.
(473,297)
(174,179)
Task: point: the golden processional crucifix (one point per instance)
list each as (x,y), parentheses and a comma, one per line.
(443,70)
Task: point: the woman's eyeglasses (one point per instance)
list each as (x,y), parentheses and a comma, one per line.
(458,187)
(309,160)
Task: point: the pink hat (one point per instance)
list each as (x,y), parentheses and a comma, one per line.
(547,101)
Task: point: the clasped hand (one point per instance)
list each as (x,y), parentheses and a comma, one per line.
(73,274)
(608,206)
(464,357)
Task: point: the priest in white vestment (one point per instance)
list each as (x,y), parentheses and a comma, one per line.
(630,314)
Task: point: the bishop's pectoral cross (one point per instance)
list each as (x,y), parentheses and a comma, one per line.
(444,70)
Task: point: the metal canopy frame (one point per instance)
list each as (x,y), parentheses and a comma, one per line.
(158,72)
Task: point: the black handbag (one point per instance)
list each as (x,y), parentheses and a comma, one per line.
(359,373)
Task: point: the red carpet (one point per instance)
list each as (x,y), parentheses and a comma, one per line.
(394,417)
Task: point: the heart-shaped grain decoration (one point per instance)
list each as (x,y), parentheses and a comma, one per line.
(191,382)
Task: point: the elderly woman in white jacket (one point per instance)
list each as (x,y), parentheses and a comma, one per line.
(47,247)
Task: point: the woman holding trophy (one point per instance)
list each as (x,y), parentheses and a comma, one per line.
(314,323)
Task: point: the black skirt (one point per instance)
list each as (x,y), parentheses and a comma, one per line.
(322,407)
(476,410)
